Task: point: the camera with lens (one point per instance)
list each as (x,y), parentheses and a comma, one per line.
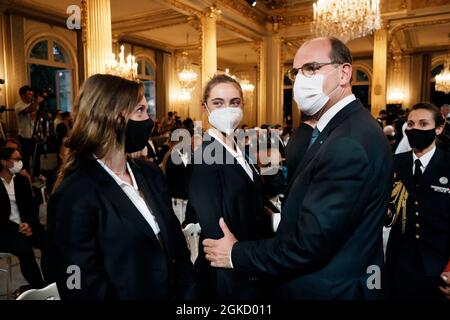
(46,93)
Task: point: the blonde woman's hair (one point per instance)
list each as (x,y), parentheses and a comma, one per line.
(101,112)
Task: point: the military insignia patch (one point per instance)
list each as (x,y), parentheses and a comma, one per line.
(441,189)
(443,180)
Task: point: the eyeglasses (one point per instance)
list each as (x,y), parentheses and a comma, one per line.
(308,69)
(15,159)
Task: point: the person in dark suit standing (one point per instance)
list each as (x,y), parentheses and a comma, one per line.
(19,230)
(112,230)
(224,184)
(418,248)
(298,144)
(329,241)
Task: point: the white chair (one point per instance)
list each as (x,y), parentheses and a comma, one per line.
(179,207)
(192,234)
(8,270)
(50,292)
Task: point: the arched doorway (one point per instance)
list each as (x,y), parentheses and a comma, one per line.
(361,86)
(146,74)
(51,69)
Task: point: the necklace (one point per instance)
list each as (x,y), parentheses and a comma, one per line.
(119,173)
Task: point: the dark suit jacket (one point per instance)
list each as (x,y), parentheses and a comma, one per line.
(176,177)
(331,222)
(24,199)
(427,255)
(296,147)
(94,225)
(225,190)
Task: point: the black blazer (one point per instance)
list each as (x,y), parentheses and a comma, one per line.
(431,200)
(331,222)
(176,176)
(94,225)
(225,190)
(24,199)
(296,147)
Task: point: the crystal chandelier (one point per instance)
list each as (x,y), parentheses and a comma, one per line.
(396,96)
(184,95)
(187,76)
(346,19)
(443,78)
(247,86)
(127,70)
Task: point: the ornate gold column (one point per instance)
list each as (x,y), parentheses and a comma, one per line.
(272,73)
(15,72)
(209,44)
(98,35)
(378,98)
(261,98)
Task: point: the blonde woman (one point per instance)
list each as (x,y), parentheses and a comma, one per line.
(112,232)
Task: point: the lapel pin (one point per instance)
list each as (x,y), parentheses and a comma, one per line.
(443,180)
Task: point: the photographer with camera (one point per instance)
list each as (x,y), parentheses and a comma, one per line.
(24,108)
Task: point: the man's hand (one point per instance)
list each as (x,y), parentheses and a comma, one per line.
(25,229)
(446,278)
(219,251)
(39,99)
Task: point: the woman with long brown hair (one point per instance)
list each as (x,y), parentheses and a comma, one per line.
(112,232)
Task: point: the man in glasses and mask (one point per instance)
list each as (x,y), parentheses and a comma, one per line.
(328,244)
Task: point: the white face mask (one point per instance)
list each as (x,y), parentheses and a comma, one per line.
(18,165)
(225,119)
(308,93)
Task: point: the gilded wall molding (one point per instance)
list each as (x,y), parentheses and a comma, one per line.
(289,21)
(393,44)
(84,21)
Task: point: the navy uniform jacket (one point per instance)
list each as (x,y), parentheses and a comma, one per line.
(94,225)
(225,190)
(419,241)
(331,223)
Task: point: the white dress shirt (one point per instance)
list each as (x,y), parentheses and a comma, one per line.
(14,216)
(330,113)
(184,157)
(425,159)
(25,124)
(132,191)
(236,154)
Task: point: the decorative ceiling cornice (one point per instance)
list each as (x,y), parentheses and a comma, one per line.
(289,21)
(154,20)
(243,34)
(182,7)
(393,44)
(243,8)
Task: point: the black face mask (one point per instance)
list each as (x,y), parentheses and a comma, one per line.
(137,134)
(420,139)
